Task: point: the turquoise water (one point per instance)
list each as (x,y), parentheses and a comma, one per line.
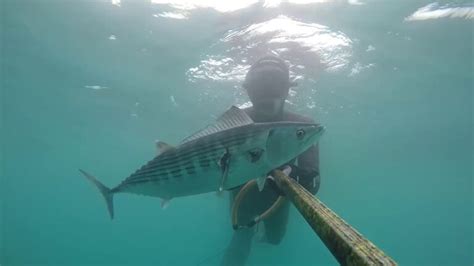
(92,85)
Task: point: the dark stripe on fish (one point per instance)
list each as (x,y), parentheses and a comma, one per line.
(199,144)
(172,159)
(133,182)
(176,172)
(157,165)
(201,150)
(204,163)
(164,176)
(190,169)
(202,160)
(200,147)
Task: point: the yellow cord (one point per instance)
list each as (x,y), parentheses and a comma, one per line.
(238,200)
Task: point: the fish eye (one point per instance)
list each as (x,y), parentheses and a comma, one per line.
(300,133)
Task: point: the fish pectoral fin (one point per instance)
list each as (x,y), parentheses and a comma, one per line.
(224,164)
(261,182)
(162,146)
(220,189)
(255,154)
(165,203)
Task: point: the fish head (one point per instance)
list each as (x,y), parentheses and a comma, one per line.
(286,141)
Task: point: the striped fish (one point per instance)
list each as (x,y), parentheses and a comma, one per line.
(220,157)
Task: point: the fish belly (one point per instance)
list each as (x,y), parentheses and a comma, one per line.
(243,171)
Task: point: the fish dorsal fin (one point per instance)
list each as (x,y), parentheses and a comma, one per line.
(162,147)
(234,117)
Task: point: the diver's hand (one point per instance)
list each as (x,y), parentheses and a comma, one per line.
(286,170)
(271,180)
(308,178)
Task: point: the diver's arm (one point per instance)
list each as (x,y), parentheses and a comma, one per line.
(308,169)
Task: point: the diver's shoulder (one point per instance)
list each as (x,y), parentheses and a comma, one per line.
(290,116)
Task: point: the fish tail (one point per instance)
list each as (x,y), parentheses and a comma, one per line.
(105,191)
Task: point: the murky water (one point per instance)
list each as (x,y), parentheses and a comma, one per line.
(92,84)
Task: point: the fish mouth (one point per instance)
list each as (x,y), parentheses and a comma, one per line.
(318,130)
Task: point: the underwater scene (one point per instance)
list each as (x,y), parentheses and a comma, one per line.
(171,115)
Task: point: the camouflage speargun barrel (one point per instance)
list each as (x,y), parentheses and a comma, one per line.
(347,245)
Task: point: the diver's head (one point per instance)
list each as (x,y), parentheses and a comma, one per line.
(267,84)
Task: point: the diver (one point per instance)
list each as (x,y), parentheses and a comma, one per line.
(267,84)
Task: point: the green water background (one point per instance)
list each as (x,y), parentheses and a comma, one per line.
(396,160)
